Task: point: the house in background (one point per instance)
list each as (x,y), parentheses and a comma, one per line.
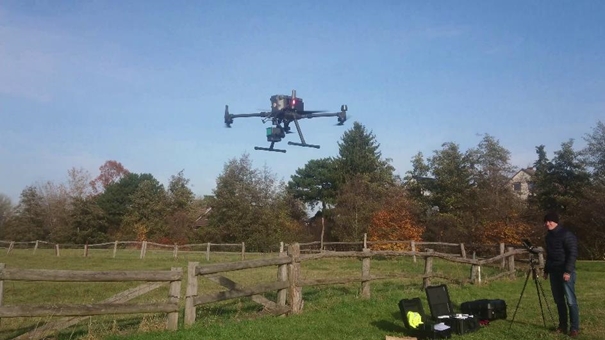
(522,183)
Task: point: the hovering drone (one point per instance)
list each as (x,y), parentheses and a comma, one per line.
(285,110)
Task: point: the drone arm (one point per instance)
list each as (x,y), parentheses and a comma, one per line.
(318,115)
(229,117)
(244,115)
(342,115)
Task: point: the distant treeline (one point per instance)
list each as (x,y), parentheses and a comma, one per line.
(452,195)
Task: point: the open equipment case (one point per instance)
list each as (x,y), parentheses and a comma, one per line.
(428,329)
(442,311)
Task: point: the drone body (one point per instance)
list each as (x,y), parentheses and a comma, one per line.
(285,110)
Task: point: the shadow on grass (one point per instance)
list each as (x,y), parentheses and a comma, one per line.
(79,330)
(388,326)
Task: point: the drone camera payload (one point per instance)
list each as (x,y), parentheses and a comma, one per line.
(275,134)
(285,110)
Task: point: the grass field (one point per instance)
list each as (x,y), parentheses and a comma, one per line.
(330,312)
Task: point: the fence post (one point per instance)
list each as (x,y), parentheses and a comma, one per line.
(365,274)
(365,241)
(503,265)
(2,265)
(475,271)
(143,249)
(295,292)
(86,250)
(10,247)
(428,269)
(36,247)
(462,251)
(57,251)
(172,322)
(282,275)
(413,244)
(191,293)
(115,248)
(321,239)
(511,264)
(208,251)
(541,260)
(243,251)
(175,253)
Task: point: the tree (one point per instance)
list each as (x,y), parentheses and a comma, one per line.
(79,183)
(144,218)
(56,203)
(361,176)
(595,151)
(357,202)
(247,206)
(396,221)
(560,183)
(417,181)
(6,209)
(452,186)
(28,223)
(179,194)
(111,172)
(315,183)
(88,219)
(358,154)
(492,171)
(181,213)
(117,197)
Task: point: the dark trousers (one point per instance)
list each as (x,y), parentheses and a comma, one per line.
(564,293)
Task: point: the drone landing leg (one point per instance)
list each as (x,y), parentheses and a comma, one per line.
(270,148)
(302,139)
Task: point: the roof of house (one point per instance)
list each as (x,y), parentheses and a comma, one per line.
(529,171)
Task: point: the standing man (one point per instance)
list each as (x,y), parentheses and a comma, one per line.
(562,251)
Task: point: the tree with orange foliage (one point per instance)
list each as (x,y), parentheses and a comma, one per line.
(111,172)
(396,222)
(509,232)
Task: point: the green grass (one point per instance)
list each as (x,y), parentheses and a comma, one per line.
(330,312)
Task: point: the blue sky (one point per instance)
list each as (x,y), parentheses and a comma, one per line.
(145,82)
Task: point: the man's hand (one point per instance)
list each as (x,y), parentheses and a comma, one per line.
(566,277)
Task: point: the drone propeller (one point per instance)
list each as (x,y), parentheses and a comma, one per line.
(228,118)
(342,115)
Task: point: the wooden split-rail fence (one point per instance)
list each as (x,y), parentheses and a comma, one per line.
(142,246)
(288,285)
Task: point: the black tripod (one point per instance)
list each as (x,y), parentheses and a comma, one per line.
(533,271)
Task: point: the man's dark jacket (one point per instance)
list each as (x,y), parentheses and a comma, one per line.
(561,250)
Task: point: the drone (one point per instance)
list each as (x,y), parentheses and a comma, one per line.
(285,110)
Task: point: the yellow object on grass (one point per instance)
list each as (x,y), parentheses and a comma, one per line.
(414,319)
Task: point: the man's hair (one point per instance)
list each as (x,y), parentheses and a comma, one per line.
(552,217)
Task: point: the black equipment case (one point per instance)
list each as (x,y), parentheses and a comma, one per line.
(443,311)
(485,309)
(426,330)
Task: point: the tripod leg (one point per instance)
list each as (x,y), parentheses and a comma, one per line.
(520,297)
(540,299)
(552,319)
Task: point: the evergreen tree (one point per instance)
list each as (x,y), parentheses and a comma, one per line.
(358,154)
(451,170)
(595,152)
(362,176)
(315,184)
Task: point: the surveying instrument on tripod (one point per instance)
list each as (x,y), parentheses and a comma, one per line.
(533,271)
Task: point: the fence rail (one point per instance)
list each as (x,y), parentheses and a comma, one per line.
(208,248)
(288,285)
(115,305)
